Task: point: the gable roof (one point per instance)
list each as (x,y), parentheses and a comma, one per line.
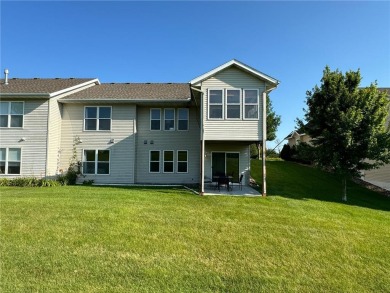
(42,87)
(241,66)
(164,92)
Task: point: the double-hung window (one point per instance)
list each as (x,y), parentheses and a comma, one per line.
(169,119)
(233,104)
(97,118)
(10,161)
(182,119)
(182,161)
(215,104)
(168,161)
(96,162)
(251,104)
(11,114)
(154,161)
(155,119)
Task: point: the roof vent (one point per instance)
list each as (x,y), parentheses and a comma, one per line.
(6,76)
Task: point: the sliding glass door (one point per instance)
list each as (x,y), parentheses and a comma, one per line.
(224,163)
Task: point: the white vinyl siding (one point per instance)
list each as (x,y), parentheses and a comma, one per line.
(11,114)
(120,141)
(161,141)
(232,129)
(32,138)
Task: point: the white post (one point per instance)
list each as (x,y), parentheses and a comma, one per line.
(264,185)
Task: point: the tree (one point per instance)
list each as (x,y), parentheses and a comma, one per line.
(347,124)
(273,122)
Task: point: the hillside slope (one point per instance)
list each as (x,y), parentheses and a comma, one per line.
(297,181)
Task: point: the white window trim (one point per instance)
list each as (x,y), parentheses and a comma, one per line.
(96,162)
(188,119)
(177,161)
(173,161)
(97,118)
(159,161)
(222,104)
(150,120)
(250,104)
(9,114)
(174,118)
(7,161)
(235,104)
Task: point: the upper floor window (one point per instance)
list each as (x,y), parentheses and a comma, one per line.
(11,114)
(182,119)
(97,118)
(155,119)
(10,160)
(216,104)
(96,162)
(251,104)
(169,119)
(233,104)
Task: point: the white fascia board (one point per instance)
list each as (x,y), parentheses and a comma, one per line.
(75,87)
(239,64)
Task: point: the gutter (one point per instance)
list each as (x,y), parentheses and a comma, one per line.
(111,100)
(25,95)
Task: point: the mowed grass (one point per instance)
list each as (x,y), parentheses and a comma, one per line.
(124,239)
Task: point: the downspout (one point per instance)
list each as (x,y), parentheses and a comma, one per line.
(202,149)
(47,136)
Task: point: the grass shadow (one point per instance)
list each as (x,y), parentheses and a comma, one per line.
(301,182)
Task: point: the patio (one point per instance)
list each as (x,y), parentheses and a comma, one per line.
(246,191)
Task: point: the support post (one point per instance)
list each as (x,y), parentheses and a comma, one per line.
(264,147)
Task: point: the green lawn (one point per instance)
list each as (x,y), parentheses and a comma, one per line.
(300,238)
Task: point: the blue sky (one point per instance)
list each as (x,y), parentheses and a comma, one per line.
(178,41)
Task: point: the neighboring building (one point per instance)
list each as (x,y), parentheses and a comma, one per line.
(294,138)
(130,133)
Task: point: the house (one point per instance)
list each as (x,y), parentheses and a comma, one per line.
(127,133)
(295,138)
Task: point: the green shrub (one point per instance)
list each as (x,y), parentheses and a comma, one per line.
(29,182)
(49,183)
(4,182)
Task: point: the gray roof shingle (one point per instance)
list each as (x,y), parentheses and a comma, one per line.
(39,85)
(134,91)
